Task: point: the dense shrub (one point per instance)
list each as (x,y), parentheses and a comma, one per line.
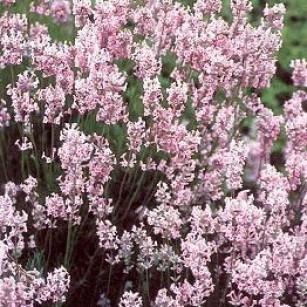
(136,157)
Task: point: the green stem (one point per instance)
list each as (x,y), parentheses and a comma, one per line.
(49,249)
(68,242)
(36,155)
(3,161)
(132,199)
(12,75)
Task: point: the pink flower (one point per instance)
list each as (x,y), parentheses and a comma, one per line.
(60,10)
(130,299)
(299,75)
(274,16)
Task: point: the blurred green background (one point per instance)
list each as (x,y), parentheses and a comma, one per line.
(294,47)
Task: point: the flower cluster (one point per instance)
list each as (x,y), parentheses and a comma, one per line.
(132,170)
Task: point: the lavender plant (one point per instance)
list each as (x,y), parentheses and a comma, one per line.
(129,175)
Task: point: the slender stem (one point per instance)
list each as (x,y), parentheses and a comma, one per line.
(109,280)
(37,157)
(88,271)
(121,190)
(68,242)
(12,75)
(122,186)
(151,191)
(49,249)
(132,199)
(147,284)
(3,161)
